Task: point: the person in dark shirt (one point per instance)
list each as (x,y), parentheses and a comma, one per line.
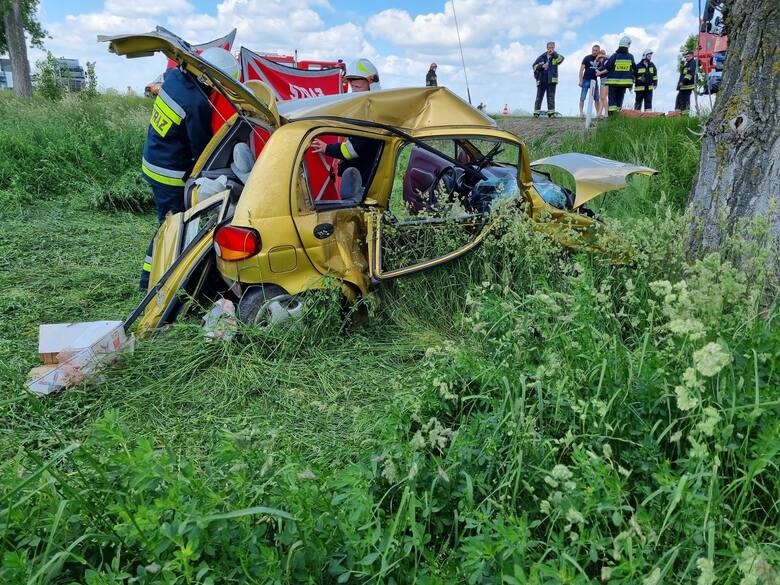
(588,70)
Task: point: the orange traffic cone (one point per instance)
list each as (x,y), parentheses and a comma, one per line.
(506,110)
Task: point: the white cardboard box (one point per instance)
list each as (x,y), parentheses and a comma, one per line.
(73,353)
(52,338)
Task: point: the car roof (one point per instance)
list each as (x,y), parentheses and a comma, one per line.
(410,108)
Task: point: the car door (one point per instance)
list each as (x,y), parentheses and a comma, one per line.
(403,247)
(428,220)
(329,215)
(183,256)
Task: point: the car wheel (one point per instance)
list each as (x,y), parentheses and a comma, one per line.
(268,304)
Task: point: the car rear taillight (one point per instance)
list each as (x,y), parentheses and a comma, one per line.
(236,243)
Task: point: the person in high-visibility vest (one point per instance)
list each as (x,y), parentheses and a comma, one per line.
(646,81)
(686,83)
(179,130)
(621,69)
(546,74)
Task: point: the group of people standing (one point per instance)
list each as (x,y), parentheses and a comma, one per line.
(609,78)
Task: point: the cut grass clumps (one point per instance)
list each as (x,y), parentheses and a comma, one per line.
(130,192)
(523,415)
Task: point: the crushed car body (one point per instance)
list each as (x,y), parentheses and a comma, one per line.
(269,219)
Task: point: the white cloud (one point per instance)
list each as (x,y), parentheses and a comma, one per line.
(501,38)
(482,22)
(139,8)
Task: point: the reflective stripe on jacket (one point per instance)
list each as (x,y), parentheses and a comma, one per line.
(179,129)
(646,76)
(621,68)
(687,76)
(357,152)
(549,75)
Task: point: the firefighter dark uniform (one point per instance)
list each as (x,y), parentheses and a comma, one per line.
(685,85)
(546,81)
(179,129)
(430,78)
(621,70)
(357,152)
(645,84)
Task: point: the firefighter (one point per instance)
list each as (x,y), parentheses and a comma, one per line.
(179,130)
(546,74)
(646,81)
(686,83)
(621,70)
(357,152)
(430,77)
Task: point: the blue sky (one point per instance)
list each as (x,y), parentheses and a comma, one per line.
(500,37)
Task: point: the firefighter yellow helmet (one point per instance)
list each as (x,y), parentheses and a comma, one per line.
(222,60)
(364,69)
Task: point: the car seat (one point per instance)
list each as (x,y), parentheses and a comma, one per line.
(243,161)
(351,188)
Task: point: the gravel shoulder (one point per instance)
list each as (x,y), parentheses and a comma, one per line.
(547,131)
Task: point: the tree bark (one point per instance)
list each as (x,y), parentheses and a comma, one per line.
(17,49)
(739,169)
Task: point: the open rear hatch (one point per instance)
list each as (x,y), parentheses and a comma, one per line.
(257,101)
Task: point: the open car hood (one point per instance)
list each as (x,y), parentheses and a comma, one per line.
(257,101)
(593,175)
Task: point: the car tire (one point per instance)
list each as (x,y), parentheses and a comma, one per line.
(262,305)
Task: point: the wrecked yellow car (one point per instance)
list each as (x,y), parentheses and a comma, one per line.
(269,219)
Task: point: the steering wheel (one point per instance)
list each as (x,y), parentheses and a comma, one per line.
(448,179)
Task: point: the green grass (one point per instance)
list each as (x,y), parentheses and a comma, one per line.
(522,416)
(77,146)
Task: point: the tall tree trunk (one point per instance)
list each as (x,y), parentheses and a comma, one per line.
(17,49)
(739,170)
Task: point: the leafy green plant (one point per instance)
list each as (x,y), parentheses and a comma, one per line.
(524,415)
(89,91)
(49,82)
